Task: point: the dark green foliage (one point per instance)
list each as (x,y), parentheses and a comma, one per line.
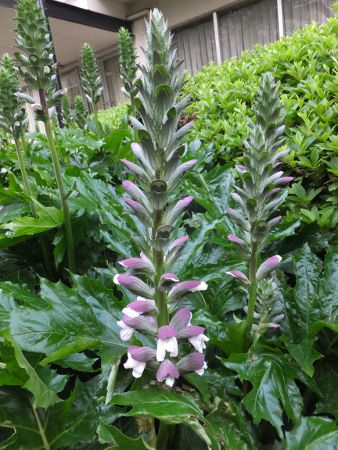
(81,112)
(91,82)
(223,98)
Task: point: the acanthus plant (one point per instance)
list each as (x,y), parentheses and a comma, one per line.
(128,67)
(258,196)
(35,60)
(91,82)
(156,312)
(14,121)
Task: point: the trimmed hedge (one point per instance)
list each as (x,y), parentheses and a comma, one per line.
(306,66)
(113,118)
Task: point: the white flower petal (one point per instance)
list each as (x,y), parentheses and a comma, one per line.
(169,381)
(138,370)
(160,350)
(125,332)
(171,346)
(201,371)
(198,342)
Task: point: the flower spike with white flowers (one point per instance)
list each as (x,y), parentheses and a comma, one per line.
(157,172)
(260,192)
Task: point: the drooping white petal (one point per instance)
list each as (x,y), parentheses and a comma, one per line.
(169,345)
(201,371)
(125,332)
(172,346)
(160,350)
(198,342)
(137,366)
(169,381)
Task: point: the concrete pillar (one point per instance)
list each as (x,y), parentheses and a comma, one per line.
(139,32)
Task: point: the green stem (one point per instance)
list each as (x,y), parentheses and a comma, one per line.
(158,260)
(252,290)
(162,437)
(97,122)
(59,180)
(41,430)
(29,193)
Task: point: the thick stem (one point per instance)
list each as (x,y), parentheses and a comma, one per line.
(41,429)
(158,260)
(29,193)
(59,180)
(252,290)
(97,122)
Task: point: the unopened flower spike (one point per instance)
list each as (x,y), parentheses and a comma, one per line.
(35,59)
(259,192)
(91,82)
(128,68)
(157,171)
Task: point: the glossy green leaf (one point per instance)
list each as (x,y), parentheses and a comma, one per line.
(168,406)
(312,433)
(64,425)
(327,380)
(272,376)
(70,320)
(43,383)
(231,428)
(49,218)
(109,434)
(305,354)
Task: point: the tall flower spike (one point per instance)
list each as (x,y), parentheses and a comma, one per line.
(35,56)
(12,110)
(127,60)
(91,81)
(35,59)
(157,172)
(260,191)
(13,119)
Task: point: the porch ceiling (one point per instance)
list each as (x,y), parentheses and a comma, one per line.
(68,37)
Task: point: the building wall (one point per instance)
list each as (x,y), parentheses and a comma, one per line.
(179,12)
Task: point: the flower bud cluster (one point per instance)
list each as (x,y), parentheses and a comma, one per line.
(91,81)
(12,110)
(157,172)
(36,56)
(261,188)
(127,61)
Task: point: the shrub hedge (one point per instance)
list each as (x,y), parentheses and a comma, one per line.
(306,65)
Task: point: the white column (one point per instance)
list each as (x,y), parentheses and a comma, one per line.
(217,38)
(280,17)
(139,31)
